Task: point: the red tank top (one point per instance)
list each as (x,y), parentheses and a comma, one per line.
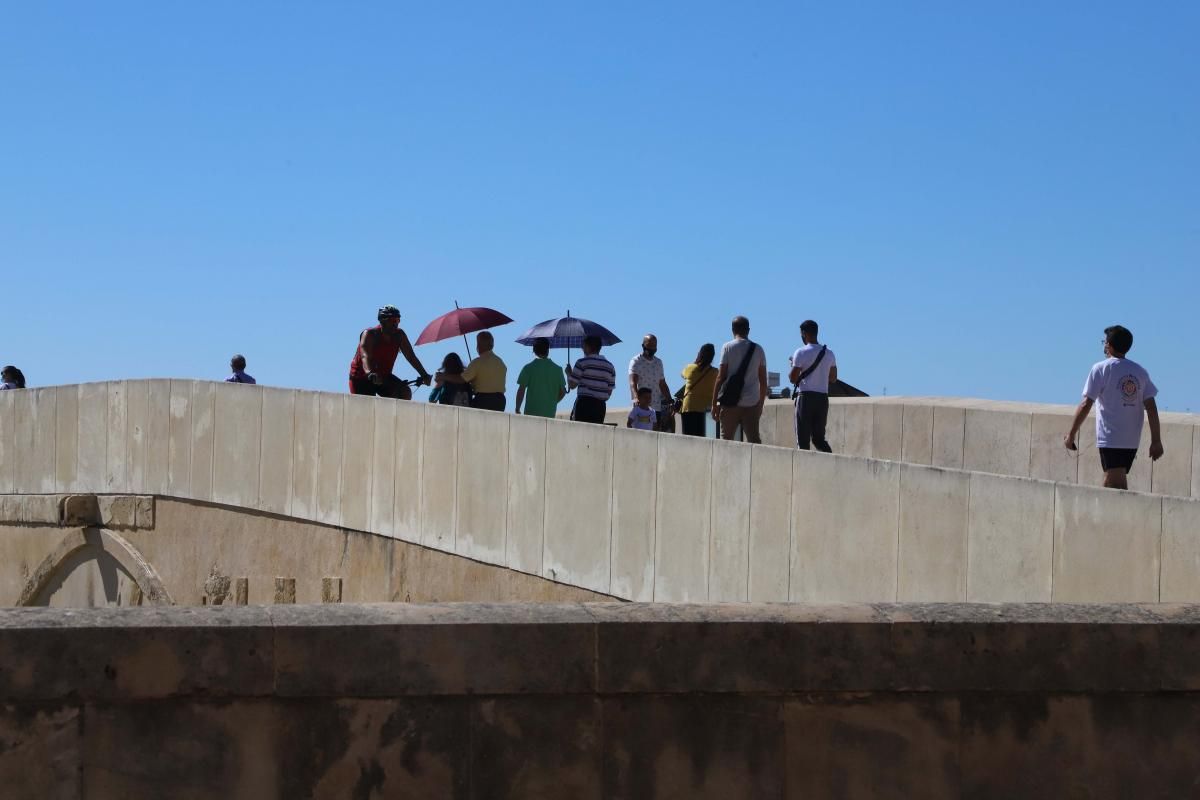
(383,355)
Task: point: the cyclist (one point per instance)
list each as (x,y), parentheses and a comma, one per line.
(371,368)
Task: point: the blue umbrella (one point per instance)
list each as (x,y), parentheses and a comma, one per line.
(568,332)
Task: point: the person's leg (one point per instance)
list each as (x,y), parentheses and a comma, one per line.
(750,417)
(801,424)
(1116,478)
(364,387)
(819,415)
(730,419)
(589,409)
(693,423)
(395,388)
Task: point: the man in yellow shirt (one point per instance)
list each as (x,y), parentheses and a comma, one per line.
(487,375)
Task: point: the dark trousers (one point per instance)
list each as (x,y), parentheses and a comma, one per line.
(694,423)
(391,387)
(812,412)
(588,409)
(491,401)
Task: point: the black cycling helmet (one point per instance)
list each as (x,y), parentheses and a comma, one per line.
(386,312)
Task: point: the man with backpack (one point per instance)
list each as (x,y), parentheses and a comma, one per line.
(814,368)
(741,387)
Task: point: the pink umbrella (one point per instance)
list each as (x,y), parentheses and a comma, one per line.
(460,322)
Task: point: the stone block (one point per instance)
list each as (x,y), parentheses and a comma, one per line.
(784,428)
(1196,462)
(1106,545)
(8,442)
(858,420)
(31,509)
(635,463)
(845,514)
(330,445)
(1010,540)
(729,542)
(179,448)
(157,448)
(997,442)
(682,519)
(144,512)
(40,751)
(717,746)
(410,436)
(81,510)
(34,429)
(1172,474)
(526,493)
(118,511)
(1049,459)
(285,591)
(237,439)
(949,428)
(835,426)
(276,449)
(383,470)
(138,421)
(66,438)
(579,483)
(1180,551)
(116,452)
(933,535)
(306,434)
(839,746)
(917,447)
(887,431)
(439,477)
(331,590)
(482,498)
(549,749)
(203,439)
(769,551)
(93,437)
(358,449)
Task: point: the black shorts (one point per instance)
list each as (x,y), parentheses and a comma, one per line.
(391,387)
(1117,457)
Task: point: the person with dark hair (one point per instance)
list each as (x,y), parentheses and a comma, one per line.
(371,367)
(741,386)
(238,365)
(448,393)
(698,380)
(594,377)
(1122,391)
(814,368)
(646,369)
(642,417)
(486,373)
(544,382)
(12,378)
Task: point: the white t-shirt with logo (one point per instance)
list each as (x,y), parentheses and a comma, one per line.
(818,379)
(1120,388)
(649,373)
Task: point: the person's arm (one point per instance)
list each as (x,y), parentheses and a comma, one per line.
(411,357)
(666,390)
(763,389)
(833,375)
(633,387)
(1085,406)
(572,382)
(520,398)
(365,343)
(716,406)
(794,375)
(629,420)
(1156,445)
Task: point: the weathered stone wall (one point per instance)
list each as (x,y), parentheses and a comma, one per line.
(604,700)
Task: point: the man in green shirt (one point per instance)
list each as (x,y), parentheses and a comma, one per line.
(544,382)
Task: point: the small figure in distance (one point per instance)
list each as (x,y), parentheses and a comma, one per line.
(371,367)
(814,368)
(542,380)
(486,373)
(595,378)
(450,393)
(696,394)
(646,370)
(238,365)
(1122,391)
(642,416)
(12,378)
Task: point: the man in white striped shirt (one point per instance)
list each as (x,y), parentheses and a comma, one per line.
(595,378)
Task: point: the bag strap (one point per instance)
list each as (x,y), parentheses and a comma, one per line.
(809,371)
(703,375)
(741,373)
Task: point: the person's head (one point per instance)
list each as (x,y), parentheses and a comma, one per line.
(591,345)
(741,326)
(237,363)
(644,395)
(706,355)
(1117,341)
(389,317)
(484,342)
(649,345)
(452,364)
(808,331)
(11,374)
(541,347)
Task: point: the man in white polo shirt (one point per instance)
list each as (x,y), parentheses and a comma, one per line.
(814,367)
(1122,391)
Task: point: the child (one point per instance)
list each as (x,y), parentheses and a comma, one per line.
(642,416)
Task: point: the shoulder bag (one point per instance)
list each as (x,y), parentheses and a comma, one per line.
(731,391)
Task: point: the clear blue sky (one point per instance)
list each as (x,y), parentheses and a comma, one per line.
(963,195)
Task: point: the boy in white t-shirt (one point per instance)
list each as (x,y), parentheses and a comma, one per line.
(1122,389)
(642,416)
